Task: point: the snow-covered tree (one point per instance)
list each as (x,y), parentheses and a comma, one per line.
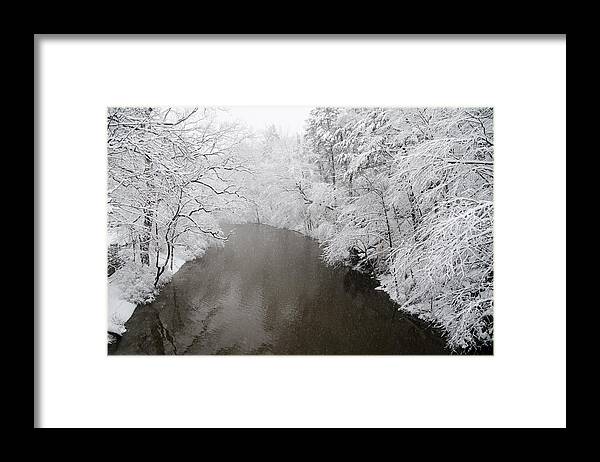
(170,172)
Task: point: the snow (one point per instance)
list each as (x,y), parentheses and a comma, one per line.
(119,308)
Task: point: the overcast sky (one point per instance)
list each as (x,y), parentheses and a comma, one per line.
(289,119)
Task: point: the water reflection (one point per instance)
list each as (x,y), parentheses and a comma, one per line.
(267,292)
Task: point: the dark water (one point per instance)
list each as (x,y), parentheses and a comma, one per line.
(268,292)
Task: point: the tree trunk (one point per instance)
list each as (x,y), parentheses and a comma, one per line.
(332,166)
(389,233)
(414,209)
(350,185)
(147,233)
(145,239)
(133,240)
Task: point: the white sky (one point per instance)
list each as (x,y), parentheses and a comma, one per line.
(288,119)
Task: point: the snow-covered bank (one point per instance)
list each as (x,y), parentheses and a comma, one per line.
(130,286)
(119,309)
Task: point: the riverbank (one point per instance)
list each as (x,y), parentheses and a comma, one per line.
(123,297)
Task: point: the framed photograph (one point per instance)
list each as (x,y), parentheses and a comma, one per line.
(319,217)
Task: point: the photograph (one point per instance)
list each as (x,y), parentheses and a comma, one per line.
(299,230)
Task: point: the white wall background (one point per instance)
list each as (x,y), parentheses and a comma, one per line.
(523,384)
